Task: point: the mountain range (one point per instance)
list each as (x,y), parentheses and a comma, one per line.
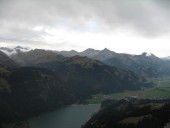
(38,81)
(85,76)
(35,56)
(96,76)
(146,64)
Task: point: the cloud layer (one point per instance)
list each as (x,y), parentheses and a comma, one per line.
(32,21)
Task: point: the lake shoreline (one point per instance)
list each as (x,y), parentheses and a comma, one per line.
(74,116)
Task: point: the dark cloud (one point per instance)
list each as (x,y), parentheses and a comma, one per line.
(18,18)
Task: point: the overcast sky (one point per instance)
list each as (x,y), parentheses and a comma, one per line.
(123,26)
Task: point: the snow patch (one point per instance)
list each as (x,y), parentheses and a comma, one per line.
(148,54)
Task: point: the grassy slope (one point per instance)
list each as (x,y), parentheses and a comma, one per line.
(134,120)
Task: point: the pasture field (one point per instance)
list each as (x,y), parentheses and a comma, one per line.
(161,89)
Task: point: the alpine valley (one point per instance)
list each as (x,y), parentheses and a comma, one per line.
(33,82)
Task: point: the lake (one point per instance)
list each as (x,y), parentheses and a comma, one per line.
(73,116)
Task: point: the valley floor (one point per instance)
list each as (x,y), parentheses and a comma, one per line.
(160,90)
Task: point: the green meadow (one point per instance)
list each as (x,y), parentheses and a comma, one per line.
(161,89)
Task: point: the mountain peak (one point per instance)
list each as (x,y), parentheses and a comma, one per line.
(74,52)
(89,52)
(69,53)
(21,48)
(89,49)
(147,54)
(18,47)
(106,49)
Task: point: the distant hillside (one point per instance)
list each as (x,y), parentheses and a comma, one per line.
(35,56)
(68,54)
(10,51)
(5,61)
(131,113)
(146,64)
(167,58)
(82,75)
(28,92)
(86,76)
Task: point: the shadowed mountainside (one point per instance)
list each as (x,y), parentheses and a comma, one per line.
(131,113)
(82,75)
(146,65)
(5,61)
(29,91)
(86,76)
